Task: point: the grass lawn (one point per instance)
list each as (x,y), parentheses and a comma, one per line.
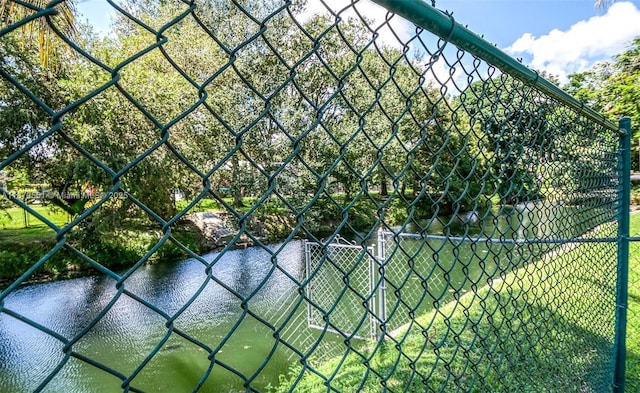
(21,246)
(544,327)
(15,217)
(633,315)
(212,205)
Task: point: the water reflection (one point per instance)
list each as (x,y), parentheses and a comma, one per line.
(532,220)
(129,330)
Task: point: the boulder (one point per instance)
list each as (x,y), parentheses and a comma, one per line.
(469,217)
(213,228)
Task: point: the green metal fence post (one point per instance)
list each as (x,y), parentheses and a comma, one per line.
(495,239)
(623,256)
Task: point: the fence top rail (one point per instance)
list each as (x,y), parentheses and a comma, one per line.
(504,240)
(325,245)
(444,25)
(337,241)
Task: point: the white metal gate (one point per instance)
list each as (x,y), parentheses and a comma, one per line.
(340,288)
(366,292)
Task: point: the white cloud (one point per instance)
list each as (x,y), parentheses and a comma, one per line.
(565,52)
(395,32)
(364,8)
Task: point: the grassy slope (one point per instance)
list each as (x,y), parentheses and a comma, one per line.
(13,218)
(547,327)
(633,316)
(20,247)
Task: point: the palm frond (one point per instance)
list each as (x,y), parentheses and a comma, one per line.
(48,41)
(603,4)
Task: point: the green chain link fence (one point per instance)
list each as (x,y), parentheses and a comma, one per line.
(484,208)
(633,338)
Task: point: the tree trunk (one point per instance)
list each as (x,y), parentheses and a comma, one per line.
(235,180)
(384,191)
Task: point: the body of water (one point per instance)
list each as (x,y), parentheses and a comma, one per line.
(233,327)
(234,317)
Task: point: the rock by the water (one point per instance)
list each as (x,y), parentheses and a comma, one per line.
(214,229)
(470,217)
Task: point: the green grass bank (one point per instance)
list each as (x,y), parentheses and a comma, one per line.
(633,314)
(544,327)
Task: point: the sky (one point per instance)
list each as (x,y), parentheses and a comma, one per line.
(557,36)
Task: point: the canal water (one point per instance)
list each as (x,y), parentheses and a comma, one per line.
(129,331)
(177,313)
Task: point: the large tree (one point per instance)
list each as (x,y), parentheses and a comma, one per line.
(612,88)
(516,134)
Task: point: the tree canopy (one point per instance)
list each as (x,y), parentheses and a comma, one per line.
(613,88)
(201,102)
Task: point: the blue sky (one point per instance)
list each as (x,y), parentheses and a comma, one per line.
(503,22)
(558,36)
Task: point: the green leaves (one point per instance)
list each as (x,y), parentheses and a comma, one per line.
(49,45)
(613,88)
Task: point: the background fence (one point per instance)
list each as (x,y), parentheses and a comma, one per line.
(487,209)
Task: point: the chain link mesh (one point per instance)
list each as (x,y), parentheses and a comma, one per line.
(339,282)
(484,210)
(633,315)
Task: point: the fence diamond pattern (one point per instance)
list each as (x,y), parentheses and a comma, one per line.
(495,201)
